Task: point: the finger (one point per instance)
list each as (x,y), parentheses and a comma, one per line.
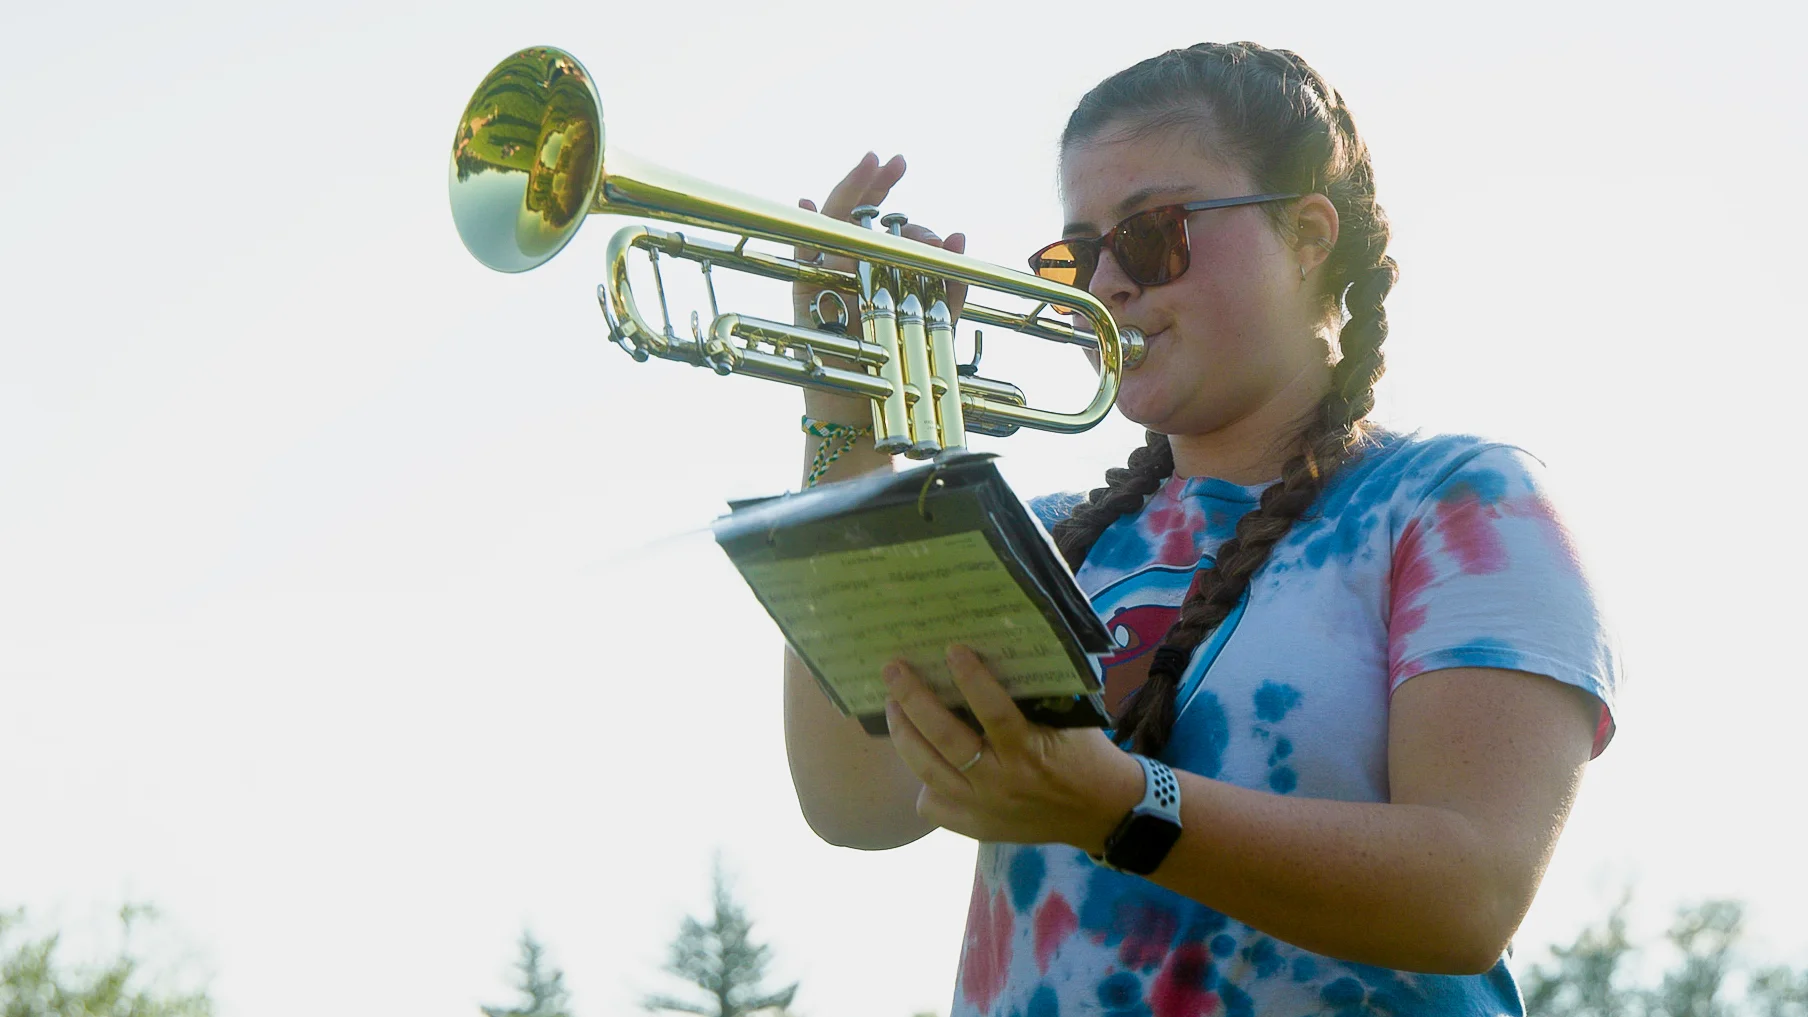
(957,291)
(805,253)
(922,235)
(992,706)
(954,741)
(941,810)
(850,193)
(922,758)
(884,178)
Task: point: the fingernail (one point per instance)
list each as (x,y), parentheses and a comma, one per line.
(891,674)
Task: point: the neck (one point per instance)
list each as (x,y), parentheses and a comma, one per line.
(1252,448)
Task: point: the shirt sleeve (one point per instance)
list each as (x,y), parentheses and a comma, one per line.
(1052,508)
(1485,575)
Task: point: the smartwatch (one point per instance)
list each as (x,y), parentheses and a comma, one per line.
(1142,838)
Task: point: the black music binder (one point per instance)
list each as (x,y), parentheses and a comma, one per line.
(862,571)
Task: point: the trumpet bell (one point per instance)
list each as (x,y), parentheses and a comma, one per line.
(527,159)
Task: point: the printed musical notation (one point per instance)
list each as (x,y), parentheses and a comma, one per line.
(850,612)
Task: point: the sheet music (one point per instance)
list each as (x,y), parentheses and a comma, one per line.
(850,612)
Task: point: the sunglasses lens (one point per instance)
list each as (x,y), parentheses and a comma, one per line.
(1152,247)
(1069,264)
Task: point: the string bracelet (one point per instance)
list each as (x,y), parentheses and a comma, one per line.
(836,440)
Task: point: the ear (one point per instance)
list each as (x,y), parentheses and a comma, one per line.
(1314,230)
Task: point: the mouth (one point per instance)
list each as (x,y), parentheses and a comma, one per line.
(1142,356)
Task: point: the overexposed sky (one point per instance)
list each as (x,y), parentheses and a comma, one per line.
(353,601)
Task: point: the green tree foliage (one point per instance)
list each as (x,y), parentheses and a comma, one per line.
(1592,977)
(35,980)
(1705,936)
(720,958)
(541,985)
(1779,992)
(1587,980)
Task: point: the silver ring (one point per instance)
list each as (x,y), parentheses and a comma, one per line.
(971,763)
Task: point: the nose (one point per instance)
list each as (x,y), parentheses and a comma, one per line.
(1109,283)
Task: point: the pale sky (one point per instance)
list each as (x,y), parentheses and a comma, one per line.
(354,605)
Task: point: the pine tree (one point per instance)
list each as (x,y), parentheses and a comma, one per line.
(722,961)
(542,986)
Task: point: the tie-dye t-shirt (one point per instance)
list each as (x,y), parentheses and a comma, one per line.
(1427,553)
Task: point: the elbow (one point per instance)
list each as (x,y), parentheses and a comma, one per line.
(1478,960)
(1475,938)
(862,833)
(1462,953)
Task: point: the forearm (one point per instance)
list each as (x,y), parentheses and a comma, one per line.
(1400,886)
(852,787)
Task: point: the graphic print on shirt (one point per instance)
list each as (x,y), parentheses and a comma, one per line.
(1138,611)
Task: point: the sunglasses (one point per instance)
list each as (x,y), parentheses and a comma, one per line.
(1150,247)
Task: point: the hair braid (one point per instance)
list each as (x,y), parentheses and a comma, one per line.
(1273,112)
(1125,491)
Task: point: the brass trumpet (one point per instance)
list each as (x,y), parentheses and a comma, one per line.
(528,163)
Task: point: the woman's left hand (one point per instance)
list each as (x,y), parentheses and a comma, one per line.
(1022,783)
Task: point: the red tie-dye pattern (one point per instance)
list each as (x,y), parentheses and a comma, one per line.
(1180,989)
(1544,515)
(1172,527)
(986,955)
(1055,921)
(1470,534)
(1147,938)
(1412,573)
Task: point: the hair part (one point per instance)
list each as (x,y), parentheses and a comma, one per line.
(1272,114)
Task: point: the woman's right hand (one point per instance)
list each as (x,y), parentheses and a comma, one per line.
(868,183)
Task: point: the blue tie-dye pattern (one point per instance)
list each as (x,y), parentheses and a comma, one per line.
(1272,702)
(1263,956)
(1487,486)
(1118,906)
(1342,992)
(1282,749)
(1274,699)
(1120,992)
(1279,706)
(1044,1003)
(1237,1003)
(1199,746)
(1027,870)
(1050,509)
(1282,780)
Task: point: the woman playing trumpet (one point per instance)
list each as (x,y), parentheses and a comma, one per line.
(1362,670)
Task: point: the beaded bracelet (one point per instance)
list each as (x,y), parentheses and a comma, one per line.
(836,439)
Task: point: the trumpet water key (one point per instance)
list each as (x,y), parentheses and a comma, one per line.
(529,163)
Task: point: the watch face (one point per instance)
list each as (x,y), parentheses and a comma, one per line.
(1142,844)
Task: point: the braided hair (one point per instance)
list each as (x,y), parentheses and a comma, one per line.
(1274,114)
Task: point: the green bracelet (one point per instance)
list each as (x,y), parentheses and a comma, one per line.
(836,440)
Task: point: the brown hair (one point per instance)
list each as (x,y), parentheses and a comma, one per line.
(1277,118)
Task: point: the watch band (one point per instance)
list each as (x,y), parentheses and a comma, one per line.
(1145,835)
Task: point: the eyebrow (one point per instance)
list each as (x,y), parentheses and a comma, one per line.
(1123,207)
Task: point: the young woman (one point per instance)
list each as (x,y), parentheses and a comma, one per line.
(1369,661)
